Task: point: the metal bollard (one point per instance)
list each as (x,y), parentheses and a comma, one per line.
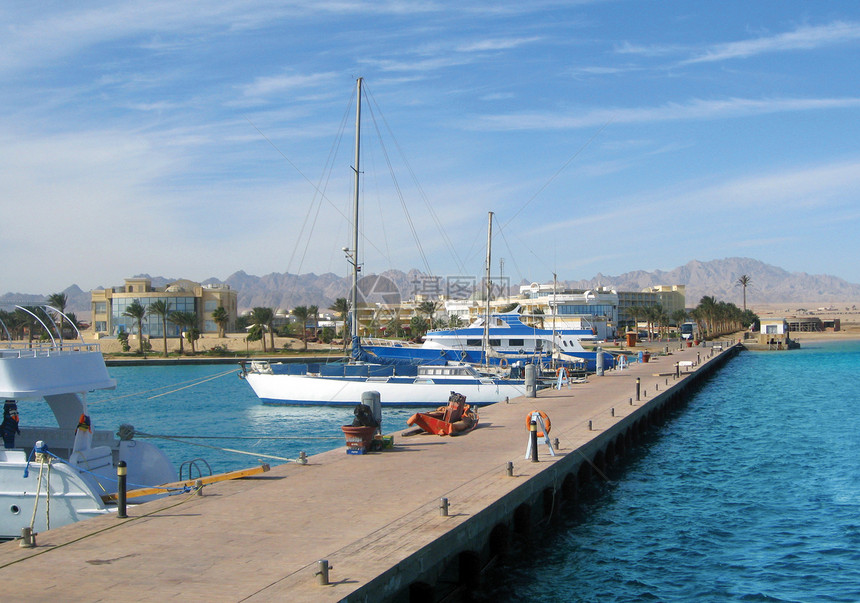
(198,487)
(630,400)
(303,458)
(638,385)
(613,411)
(509,469)
(590,425)
(443,507)
(555,443)
(121,478)
(322,572)
(533,440)
(677,370)
(28,538)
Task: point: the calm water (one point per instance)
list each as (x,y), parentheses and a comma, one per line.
(211,403)
(751,493)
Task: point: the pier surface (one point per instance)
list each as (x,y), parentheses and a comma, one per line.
(374,517)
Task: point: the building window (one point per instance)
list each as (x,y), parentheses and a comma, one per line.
(101,307)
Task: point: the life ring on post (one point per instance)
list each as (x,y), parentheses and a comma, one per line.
(546,422)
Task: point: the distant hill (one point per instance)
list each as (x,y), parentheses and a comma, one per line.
(769,284)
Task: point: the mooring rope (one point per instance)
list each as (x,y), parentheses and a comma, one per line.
(254,454)
(193,382)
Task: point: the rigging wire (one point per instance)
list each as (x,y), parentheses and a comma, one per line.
(400,193)
(422,194)
(559,171)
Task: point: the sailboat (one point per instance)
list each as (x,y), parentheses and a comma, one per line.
(500,339)
(341,384)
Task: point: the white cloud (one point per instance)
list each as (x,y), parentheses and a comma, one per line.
(803,38)
(696,109)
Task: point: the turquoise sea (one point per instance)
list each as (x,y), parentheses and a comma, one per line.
(207,409)
(749,493)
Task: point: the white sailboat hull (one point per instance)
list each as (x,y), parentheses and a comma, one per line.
(312,390)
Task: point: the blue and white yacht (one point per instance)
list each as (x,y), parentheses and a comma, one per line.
(504,341)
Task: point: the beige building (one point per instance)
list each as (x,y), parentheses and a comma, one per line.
(108,306)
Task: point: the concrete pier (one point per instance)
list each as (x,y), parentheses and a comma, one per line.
(374,518)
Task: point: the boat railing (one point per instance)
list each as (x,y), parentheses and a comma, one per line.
(385,343)
(25,349)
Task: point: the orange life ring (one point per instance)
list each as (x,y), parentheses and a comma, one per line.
(543,416)
(503,363)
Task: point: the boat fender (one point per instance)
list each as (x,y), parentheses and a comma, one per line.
(546,422)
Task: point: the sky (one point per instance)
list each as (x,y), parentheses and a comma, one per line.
(196,139)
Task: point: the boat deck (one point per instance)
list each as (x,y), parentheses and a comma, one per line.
(260,538)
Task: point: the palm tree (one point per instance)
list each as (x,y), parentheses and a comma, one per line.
(454,321)
(680,317)
(314,312)
(161,308)
(137,311)
(708,307)
(341,307)
(635,313)
(221,318)
(185,321)
(261,319)
(428,309)
(59,301)
(744,281)
(302,313)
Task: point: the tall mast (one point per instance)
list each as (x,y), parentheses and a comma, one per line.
(486,338)
(355,265)
(552,346)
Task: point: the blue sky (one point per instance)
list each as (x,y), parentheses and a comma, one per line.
(195,139)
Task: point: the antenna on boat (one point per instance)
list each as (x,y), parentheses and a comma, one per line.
(356,344)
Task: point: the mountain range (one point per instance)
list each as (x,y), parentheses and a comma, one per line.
(768,284)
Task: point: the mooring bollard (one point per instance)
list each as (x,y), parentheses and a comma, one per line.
(630,400)
(121,477)
(198,487)
(555,443)
(509,469)
(613,411)
(533,440)
(322,572)
(638,385)
(590,425)
(443,507)
(677,370)
(303,458)
(28,538)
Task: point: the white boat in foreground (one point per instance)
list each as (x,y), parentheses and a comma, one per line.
(343,384)
(58,475)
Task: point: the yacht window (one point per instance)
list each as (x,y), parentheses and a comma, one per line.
(496,342)
(473,342)
(516,343)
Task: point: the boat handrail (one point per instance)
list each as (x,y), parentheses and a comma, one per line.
(24,349)
(390,343)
